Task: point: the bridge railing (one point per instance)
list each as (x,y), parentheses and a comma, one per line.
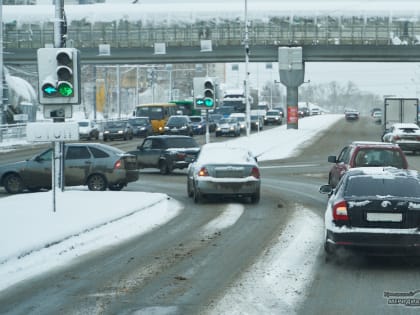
(281,31)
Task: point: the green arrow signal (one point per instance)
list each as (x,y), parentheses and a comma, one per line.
(49,89)
(199,101)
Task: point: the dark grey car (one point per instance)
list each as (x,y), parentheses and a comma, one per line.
(120,129)
(96,165)
(166,152)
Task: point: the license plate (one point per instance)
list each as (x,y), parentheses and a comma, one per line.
(383,217)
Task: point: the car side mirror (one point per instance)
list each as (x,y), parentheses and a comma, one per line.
(326,189)
(332,159)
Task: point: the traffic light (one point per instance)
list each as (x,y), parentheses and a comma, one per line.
(59,76)
(209,93)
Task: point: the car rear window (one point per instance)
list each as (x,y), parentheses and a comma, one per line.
(182,143)
(382,186)
(379,157)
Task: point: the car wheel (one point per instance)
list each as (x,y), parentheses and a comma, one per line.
(13,184)
(163,167)
(96,182)
(197,195)
(116,187)
(255,198)
(190,192)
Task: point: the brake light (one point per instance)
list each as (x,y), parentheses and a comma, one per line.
(255,172)
(181,156)
(118,164)
(340,211)
(203,172)
(397,137)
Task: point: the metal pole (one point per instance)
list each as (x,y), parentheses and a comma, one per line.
(1,72)
(246,41)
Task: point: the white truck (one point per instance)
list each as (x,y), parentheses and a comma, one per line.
(400,110)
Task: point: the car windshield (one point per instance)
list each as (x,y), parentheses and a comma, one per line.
(115,124)
(227,120)
(382,186)
(138,121)
(196,119)
(272,113)
(177,120)
(83,124)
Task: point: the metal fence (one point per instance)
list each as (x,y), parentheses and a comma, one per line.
(282,30)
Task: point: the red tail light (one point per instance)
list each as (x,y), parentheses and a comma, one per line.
(397,137)
(118,164)
(203,172)
(255,172)
(340,211)
(181,156)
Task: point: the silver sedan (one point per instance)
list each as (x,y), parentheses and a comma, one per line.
(222,170)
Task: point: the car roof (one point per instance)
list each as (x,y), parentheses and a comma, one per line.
(220,152)
(166,137)
(406,125)
(373,144)
(387,171)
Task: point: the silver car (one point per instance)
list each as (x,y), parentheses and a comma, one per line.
(223,170)
(96,165)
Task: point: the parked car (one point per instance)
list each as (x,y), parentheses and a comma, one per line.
(273,117)
(88,130)
(99,166)
(374,210)
(365,154)
(199,125)
(257,122)
(179,125)
(166,152)
(241,118)
(406,135)
(351,114)
(303,112)
(221,170)
(228,127)
(118,129)
(141,126)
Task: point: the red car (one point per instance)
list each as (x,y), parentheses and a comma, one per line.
(365,154)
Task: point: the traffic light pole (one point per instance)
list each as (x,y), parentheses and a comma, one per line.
(58,154)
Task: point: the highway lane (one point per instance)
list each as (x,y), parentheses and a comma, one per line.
(182,267)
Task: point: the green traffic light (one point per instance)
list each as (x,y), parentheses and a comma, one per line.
(65,89)
(199,101)
(208,102)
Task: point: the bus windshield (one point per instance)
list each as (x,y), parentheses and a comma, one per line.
(151,112)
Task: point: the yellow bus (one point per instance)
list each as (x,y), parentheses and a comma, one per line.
(158,114)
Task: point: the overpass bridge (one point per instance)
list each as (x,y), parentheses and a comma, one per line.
(196,32)
(326,31)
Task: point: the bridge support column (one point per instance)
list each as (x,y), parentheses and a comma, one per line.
(292,74)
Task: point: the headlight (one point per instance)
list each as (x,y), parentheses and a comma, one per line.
(232,128)
(120,131)
(183,127)
(106,131)
(143,128)
(166,128)
(218,128)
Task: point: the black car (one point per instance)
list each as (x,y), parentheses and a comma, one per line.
(303,112)
(96,165)
(179,125)
(166,152)
(119,129)
(141,126)
(374,211)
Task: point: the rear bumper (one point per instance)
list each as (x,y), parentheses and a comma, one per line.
(376,241)
(236,188)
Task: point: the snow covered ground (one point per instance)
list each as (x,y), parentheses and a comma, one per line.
(35,239)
